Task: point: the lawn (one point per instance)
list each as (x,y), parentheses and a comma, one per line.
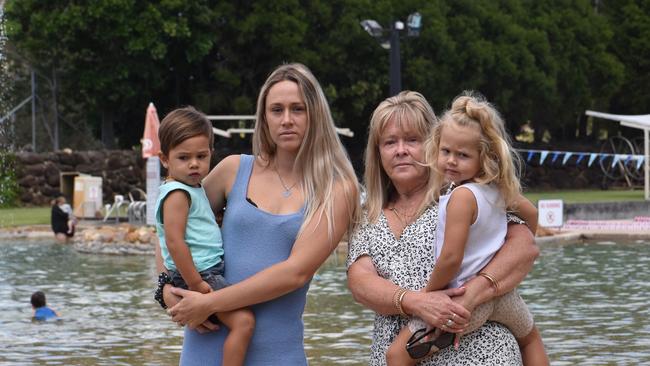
(24,216)
(35,216)
(41,215)
(582,196)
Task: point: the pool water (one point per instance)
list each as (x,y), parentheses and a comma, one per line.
(591,303)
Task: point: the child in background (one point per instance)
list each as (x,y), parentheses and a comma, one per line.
(470,153)
(41,311)
(190,238)
(65,207)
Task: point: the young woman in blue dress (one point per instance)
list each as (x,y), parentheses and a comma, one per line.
(287,206)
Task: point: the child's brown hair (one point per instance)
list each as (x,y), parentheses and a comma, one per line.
(182,124)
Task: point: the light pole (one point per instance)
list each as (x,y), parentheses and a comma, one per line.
(413,25)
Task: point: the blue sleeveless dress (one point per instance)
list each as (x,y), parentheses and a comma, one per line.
(254,240)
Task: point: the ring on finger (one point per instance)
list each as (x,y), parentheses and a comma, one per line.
(453,316)
(449,323)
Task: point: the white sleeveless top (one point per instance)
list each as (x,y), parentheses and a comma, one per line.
(486,235)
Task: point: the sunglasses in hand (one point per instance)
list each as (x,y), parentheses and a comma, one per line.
(417,348)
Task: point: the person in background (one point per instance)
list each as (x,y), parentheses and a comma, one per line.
(72,220)
(41,311)
(59,221)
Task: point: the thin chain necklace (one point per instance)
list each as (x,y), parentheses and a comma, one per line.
(287,190)
(401,216)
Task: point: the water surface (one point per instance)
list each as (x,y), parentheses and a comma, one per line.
(591,303)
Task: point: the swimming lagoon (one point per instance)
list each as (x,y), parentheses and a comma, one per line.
(591,302)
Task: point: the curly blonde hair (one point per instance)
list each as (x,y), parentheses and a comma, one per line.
(499,163)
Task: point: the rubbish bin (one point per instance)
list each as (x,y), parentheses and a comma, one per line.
(87,199)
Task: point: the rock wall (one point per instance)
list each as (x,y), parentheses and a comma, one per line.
(123,171)
(38,174)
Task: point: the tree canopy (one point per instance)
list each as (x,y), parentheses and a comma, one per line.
(538,61)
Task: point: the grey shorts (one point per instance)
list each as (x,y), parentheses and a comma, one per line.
(213,276)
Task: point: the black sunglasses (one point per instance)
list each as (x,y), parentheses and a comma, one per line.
(417,349)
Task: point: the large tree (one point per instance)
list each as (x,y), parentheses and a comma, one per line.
(109,55)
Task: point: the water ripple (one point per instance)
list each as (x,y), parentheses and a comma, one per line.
(590,301)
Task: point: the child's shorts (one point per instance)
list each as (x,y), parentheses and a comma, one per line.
(213,276)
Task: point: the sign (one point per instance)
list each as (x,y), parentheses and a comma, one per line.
(550,213)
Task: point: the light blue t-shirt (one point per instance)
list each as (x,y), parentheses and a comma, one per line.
(202,234)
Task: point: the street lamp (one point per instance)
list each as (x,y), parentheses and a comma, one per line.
(413,25)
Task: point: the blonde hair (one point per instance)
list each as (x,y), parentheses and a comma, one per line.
(321,159)
(407,109)
(499,163)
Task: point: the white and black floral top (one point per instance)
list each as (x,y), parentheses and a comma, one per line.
(408,263)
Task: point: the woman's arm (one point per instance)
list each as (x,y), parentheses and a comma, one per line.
(310,250)
(509,267)
(377,294)
(527,211)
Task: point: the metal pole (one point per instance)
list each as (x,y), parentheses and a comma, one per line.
(646,153)
(33,111)
(395,67)
(56,112)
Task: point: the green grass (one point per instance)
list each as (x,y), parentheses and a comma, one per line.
(583,196)
(24,216)
(20,216)
(41,215)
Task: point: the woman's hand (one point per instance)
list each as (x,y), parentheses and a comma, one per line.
(192,310)
(437,308)
(171,300)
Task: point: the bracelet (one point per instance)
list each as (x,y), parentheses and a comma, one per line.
(398,296)
(163,279)
(492,280)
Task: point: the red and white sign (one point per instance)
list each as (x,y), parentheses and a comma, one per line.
(550,213)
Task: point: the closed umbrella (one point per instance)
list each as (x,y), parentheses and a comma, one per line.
(150,150)
(150,142)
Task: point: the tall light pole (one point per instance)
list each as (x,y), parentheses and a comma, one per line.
(413,25)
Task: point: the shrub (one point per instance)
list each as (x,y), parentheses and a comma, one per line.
(8,185)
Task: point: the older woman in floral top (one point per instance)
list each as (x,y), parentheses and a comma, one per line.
(391,253)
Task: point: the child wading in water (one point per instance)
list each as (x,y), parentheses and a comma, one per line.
(471,156)
(42,312)
(190,238)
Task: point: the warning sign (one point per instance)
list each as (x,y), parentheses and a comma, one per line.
(550,213)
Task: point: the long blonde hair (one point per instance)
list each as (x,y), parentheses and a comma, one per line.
(321,159)
(408,109)
(499,163)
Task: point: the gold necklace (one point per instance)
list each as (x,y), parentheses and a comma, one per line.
(287,190)
(402,217)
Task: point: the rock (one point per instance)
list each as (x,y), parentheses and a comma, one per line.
(35,169)
(27,181)
(67,158)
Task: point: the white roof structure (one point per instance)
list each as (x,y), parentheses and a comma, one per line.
(641,122)
(229,132)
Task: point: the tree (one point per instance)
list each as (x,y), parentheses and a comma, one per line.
(110,55)
(630,21)
(6,90)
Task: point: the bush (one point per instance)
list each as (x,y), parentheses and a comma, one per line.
(8,186)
